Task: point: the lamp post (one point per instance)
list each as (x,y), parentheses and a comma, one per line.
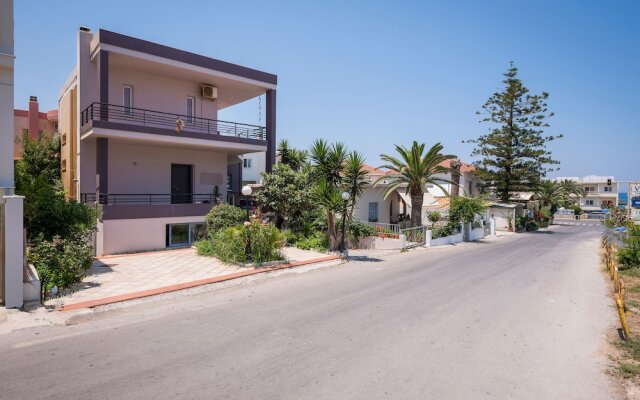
(246,192)
(343,245)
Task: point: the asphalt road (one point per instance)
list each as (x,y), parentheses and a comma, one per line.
(522,317)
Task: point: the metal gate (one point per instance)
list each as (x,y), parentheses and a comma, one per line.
(416,236)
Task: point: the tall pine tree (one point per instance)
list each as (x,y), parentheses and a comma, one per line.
(514,156)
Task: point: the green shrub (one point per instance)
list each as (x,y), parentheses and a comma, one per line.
(265,242)
(291,238)
(230,244)
(531,226)
(629,252)
(224,216)
(60,262)
(317,241)
(442,231)
(204,248)
(358,230)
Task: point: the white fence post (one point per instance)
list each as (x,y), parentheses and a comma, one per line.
(492,224)
(403,242)
(427,238)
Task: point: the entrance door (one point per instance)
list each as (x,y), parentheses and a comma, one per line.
(181,183)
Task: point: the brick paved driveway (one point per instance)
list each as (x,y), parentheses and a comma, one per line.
(117,275)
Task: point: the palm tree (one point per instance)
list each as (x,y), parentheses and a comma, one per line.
(415,169)
(328,160)
(292,157)
(571,188)
(354,179)
(551,194)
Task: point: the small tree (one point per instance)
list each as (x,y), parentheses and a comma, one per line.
(434,217)
(465,209)
(513,154)
(287,193)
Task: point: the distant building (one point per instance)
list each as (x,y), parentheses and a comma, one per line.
(601,192)
(32,121)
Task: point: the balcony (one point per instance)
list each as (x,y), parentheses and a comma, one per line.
(139,205)
(111,116)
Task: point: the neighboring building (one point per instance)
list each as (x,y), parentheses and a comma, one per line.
(373,207)
(601,192)
(32,121)
(253,165)
(140,137)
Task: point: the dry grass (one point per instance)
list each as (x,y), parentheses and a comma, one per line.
(626,353)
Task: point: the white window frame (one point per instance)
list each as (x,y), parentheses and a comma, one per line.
(608,188)
(191,118)
(127,108)
(589,202)
(247,163)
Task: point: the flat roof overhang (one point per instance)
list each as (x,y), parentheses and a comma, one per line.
(230,145)
(235,83)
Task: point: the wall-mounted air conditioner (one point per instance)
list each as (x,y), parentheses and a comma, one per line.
(209,92)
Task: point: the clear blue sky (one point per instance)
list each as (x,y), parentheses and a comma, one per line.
(374,74)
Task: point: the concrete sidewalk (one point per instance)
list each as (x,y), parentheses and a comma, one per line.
(117,276)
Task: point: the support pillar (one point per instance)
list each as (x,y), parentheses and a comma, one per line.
(102,170)
(103,84)
(270,159)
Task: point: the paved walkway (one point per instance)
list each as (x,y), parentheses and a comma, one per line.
(117,275)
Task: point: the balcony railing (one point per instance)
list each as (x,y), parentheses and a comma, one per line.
(142,199)
(175,122)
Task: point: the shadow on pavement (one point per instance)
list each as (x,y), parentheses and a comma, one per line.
(364,258)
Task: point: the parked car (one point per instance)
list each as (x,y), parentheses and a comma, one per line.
(596,215)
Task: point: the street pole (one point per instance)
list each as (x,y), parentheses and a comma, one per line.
(343,244)
(246,192)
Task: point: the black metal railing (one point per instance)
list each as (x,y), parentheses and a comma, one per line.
(176,122)
(145,198)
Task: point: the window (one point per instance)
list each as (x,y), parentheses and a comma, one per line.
(373,212)
(588,202)
(179,235)
(590,189)
(229,181)
(246,162)
(64,165)
(608,188)
(191,107)
(127,99)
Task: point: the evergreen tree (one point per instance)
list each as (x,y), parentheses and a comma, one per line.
(513,154)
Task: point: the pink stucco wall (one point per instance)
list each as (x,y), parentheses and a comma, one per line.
(158,93)
(34,122)
(140,168)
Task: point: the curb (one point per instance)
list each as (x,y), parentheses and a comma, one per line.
(188,285)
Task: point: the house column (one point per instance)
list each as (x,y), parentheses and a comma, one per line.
(270,159)
(103,83)
(102,169)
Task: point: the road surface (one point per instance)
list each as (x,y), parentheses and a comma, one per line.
(520,317)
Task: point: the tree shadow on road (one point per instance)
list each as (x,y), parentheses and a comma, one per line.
(364,258)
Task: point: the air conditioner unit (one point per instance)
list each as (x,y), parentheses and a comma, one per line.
(209,92)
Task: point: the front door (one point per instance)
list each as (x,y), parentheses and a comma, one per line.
(181,183)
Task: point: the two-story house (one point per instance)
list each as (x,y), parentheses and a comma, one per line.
(141,138)
(601,192)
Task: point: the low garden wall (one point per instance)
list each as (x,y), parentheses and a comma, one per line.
(476,234)
(457,238)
